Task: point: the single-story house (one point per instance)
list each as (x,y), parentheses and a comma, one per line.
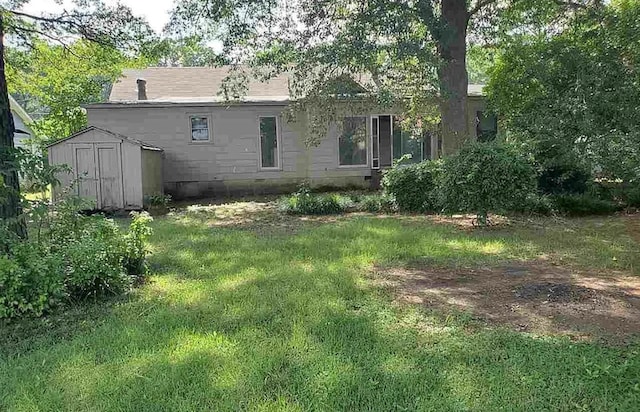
(211,146)
(22,122)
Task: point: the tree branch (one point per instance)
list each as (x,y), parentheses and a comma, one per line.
(480,5)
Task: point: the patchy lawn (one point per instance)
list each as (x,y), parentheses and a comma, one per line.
(249,309)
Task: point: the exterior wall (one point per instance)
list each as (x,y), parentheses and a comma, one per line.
(19,138)
(151,173)
(229,162)
(62,154)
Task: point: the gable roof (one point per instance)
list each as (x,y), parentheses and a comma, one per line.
(185,85)
(116,135)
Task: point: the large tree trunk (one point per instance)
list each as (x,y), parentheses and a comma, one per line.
(452,75)
(10,208)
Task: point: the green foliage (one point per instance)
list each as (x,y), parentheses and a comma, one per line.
(31,280)
(56,80)
(305,202)
(573,92)
(189,51)
(376,203)
(158,200)
(135,241)
(94,258)
(583,205)
(414,187)
(486,177)
(70,256)
(632,195)
(564,178)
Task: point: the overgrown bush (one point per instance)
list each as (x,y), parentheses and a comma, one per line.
(305,202)
(414,187)
(564,178)
(31,280)
(486,177)
(583,205)
(70,257)
(375,203)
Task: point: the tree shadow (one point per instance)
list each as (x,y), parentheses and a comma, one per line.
(246,320)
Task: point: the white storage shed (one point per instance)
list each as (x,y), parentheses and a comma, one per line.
(113,170)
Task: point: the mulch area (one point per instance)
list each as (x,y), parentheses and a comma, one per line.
(528,297)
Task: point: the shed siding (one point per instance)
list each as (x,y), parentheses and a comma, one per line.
(112,165)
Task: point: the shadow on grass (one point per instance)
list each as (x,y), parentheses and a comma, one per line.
(244,320)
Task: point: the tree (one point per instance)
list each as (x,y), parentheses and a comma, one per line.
(573,96)
(189,51)
(92,20)
(416,49)
(59,79)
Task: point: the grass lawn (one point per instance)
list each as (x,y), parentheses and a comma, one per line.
(250,310)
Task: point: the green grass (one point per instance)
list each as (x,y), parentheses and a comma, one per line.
(280,316)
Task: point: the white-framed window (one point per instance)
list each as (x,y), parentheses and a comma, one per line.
(269,142)
(352,142)
(200,130)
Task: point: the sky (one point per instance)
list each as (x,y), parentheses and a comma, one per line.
(156,12)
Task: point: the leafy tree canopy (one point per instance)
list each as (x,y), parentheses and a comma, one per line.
(573,95)
(58,79)
(413,53)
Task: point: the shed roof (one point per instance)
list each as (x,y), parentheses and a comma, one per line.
(193,85)
(116,135)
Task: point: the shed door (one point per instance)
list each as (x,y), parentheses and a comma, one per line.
(110,175)
(85,166)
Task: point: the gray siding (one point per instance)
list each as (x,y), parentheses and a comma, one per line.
(231,158)
(126,165)
(230,161)
(151,172)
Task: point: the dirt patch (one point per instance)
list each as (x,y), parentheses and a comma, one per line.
(534,297)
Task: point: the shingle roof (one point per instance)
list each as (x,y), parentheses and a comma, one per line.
(183,85)
(177,84)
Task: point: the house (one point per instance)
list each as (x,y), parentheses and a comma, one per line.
(211,146)
(22,122)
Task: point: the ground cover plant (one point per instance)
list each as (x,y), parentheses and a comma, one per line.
(252,309)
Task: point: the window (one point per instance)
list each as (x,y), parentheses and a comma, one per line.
(407,143)
(199,129)
(352,142)
(269,157)
(486,126)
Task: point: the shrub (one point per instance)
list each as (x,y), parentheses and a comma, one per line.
(375,203)
(414,187)
(486,177)
(135,256)
(564,178)
(75,257)
(304,202)
(583,205)
(539,204)
(31,281)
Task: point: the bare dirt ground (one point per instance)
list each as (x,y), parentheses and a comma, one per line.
(529,297)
